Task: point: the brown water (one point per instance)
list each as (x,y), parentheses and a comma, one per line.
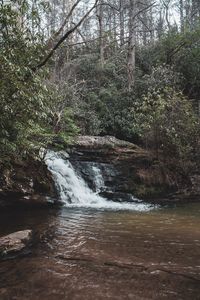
(96,254)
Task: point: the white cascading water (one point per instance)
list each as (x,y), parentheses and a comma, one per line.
(73,190)
(98,179)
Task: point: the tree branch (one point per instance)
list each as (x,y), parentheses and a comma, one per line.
(62,39)
(144,9)
(57,33)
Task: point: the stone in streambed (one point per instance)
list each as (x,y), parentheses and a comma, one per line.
(15,242)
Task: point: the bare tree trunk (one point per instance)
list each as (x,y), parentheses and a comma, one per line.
(144,28)
(101,31)
(121,16)
(195,12)
(63,38)
(167,6)
(115,27)
(160,25)
(131,45)
(181,9)
(188,13)
(151,25)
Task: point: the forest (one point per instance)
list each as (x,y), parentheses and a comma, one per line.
(99,149)
(124,68)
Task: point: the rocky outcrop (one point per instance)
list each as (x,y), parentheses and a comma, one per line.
(15,243)
(137,171)
(98,142)
(105,149)
(127,168)
(25,182)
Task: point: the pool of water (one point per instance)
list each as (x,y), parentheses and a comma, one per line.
(83,253)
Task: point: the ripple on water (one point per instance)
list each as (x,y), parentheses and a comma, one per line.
(105,254)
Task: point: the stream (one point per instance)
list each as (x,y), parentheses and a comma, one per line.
(93,248)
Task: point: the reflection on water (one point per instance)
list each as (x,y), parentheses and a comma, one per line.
(98,254)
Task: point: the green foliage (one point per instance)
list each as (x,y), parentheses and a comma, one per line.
(105,105)
(168,123)
(38,108)
(180,51)
(61,118)
(187,62)
(155,112)
(25,99)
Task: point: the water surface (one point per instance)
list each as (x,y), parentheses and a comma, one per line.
(84,253)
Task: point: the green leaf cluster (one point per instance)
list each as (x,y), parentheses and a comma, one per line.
(25,96)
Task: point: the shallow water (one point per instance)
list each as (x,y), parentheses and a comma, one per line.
(83,253)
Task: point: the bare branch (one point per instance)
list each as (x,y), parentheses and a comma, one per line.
(110,5)
(144,9)
(63,38)
(57,33)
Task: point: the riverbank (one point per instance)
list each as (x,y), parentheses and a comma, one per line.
(132,171)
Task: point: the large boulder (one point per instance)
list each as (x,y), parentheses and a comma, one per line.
(15,242)
(104,149)
(102,142)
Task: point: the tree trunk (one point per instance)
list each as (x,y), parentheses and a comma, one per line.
(121,17)
(187,12)
(131,45)
(181,8)
(101,30)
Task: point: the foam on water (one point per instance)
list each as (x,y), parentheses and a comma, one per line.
(74,192)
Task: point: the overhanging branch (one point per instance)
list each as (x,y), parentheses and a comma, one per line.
(62,39)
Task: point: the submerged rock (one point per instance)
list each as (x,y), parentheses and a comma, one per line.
(15,242)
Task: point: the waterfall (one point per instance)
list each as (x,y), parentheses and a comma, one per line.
(98,179)
(73,190)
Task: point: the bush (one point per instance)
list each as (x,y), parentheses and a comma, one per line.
(25,99)
(168,124)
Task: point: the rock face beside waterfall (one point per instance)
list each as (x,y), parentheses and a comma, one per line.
(25,182)
(110,168)
(132,169)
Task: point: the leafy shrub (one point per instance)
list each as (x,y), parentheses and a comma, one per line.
(168,124)
(25,99)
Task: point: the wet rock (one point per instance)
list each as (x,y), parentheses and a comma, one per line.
(26,179)
(119,197)
(104,173)
(126,168)
(15,242)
